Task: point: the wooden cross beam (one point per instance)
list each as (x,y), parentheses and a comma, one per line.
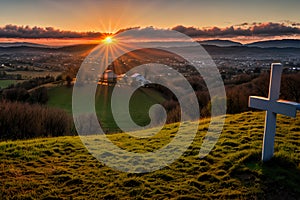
(273,106)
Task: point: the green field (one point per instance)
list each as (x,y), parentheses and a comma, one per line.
(36,74)
(61,168)
(6,83)
(61,97)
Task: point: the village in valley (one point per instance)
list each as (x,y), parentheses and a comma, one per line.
(23,63)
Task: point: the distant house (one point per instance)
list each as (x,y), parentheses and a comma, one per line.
(108,77)
(139,80)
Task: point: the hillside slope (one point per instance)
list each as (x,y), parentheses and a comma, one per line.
(61,168)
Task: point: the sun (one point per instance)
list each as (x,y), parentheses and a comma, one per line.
(108,40)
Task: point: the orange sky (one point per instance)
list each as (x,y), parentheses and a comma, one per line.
(110,16)
(105,16)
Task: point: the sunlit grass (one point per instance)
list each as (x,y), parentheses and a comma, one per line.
(62,168)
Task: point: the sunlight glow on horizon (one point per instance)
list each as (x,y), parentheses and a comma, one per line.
(109,17)
(108,40)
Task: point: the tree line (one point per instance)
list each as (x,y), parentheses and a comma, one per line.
(23,115)
(238,91)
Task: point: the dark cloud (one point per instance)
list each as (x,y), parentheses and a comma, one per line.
(244,29)
(127,29)
(13,31)
(253,29)
(274,29)
(243,24)
(292,23)
(149,34)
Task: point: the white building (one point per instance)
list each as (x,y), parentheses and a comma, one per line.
(139,80)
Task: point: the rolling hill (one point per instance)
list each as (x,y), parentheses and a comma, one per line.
(22,44)
(214,48)
(285,43)
(62,168)
(220,43)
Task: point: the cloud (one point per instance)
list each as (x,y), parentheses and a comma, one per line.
(245,29)
(292,23)
(151,34)
(127,29)
(256,29)
(14,31)
(243,24)
(274,29)
(295,24)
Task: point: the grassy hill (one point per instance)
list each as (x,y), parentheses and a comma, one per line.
(61,168)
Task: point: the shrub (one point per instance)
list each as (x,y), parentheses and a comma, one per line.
(23,121)
(15,94)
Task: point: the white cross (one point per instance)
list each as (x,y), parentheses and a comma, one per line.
(273,106)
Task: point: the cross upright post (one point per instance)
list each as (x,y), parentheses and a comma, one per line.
(273,106)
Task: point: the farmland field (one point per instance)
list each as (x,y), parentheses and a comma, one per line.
(6,83)
(35,74)
(142,99)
